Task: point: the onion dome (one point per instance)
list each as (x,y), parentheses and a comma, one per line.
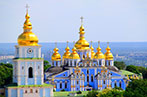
(67,53)
(92,51)
(56,56)
(74,54)
(27,38)
(99,54)
(108,54)
(82,43)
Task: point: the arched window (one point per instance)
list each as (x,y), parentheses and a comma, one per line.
(87,71)
(56,63)
(91,78)
(87,78)
(77,82)
(83,56)
(109,63)
(36,91)
(104,82)
(64,62)
(75,63)
(30,72)
(25,91)
(65,84)
(120,84)
(53,63)
(31,90)
(60,85)
(100,62)
(115,84)
(71,62)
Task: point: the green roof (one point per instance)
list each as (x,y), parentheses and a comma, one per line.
(125,72)
(14,85)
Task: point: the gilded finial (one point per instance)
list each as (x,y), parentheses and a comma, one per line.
(107,44)
(55,44)
(67,43)
(91,43)
(81,20)
(27,7)
(98,43)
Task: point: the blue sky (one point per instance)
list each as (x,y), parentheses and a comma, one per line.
(59,20)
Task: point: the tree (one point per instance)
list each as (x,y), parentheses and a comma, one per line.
(5,74)
(110,93)
(120,65)
(136,88)
(46,62)
(92,93)
(142,70)
(46,65)
(132,68)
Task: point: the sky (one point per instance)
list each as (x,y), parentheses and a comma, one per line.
(59,20)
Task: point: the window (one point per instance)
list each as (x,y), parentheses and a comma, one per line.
(71,62)
(36,91)
(87,71)
(38,67)
(56,63)
(22,67)
(91,78)
(53,63)
(104,82)
(25,91)
(30,72)
(60,85)
(75,63)
(115,85)
(109,63)
(100,62)
(120,84)
(83,56)
(77,82)
(87,78)
(64,62)
(31,90)
(65,84)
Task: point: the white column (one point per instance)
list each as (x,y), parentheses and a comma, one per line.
(9,92)
(18,73)
(18,93)
(43,92)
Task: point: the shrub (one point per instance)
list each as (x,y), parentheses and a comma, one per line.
(62,90)
(79,92)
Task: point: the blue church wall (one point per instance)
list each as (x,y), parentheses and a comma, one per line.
(58,81)
(21,93)
(47,92)
(38,80)
(13,93)
(31,81)
(23,80)
(41,92)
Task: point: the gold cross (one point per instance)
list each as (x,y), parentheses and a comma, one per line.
(27,7)
(81,20)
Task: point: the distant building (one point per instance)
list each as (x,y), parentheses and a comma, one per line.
(83,69)
(28,76)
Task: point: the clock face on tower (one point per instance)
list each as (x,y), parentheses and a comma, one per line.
(29,51)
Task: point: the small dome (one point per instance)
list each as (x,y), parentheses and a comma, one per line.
(27,38)
(67,53)
(92,52)
(74,54)
(56,56)
(99,54)
(108,54)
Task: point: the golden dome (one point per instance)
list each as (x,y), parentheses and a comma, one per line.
(74,54)
(56,56)
(108,54)
(99,54)
(67,53)
(27,38)
(92,51)
(82,43)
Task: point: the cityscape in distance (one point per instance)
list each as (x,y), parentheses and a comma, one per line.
(132,53)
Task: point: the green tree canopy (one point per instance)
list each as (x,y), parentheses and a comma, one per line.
(136,88)
(119,64)
(133,69)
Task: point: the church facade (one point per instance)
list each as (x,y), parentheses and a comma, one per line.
(28,75)
(83,69)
